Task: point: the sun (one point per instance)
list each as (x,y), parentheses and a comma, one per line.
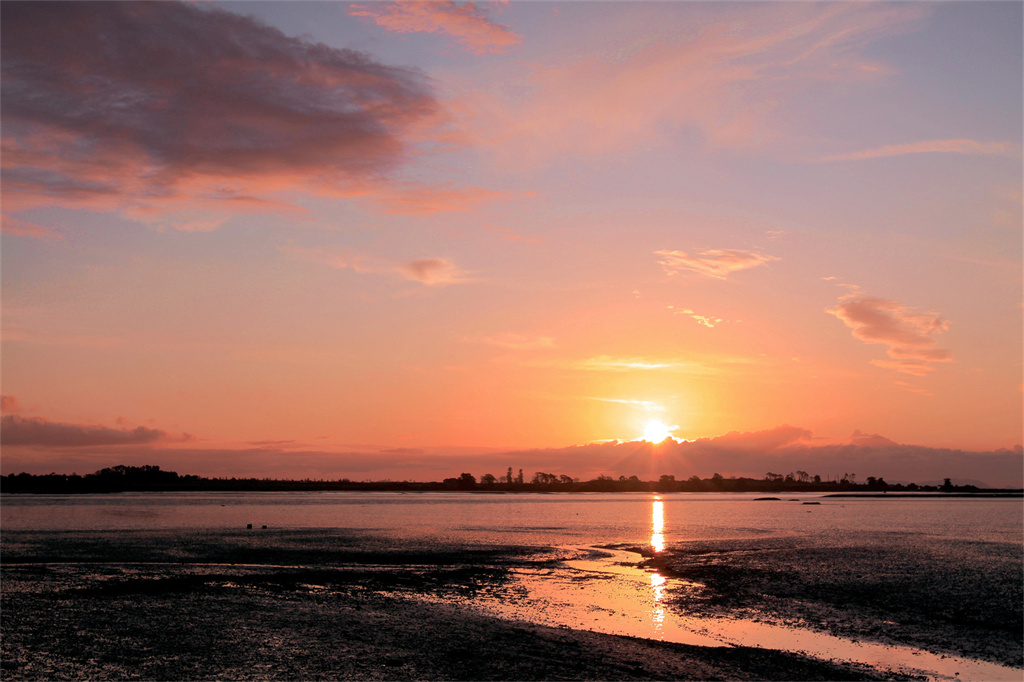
(655,431)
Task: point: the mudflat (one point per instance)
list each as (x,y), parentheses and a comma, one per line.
(313,605)
(884,587)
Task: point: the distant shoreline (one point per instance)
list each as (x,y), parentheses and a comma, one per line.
(152,479)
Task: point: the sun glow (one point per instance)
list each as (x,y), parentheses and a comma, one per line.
(655,431)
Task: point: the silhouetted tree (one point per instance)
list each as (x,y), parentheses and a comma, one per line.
(488,480)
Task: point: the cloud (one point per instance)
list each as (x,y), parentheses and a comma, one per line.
(870,439)
(9,404)
(467,24)
(781,450)
(958,146)
(907,334)
(721,77)
(431,271)
(15,430)
(708,321)
(716,263)
(428,271)
(22,228)
(156,107)
(648,405)
(696,365)
(761,441)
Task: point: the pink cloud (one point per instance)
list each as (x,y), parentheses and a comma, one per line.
(22,228)
(908,335)
(716,263)
(723,82)
(958,146)
(160,107)
(466,23)
(431,271)
(428,271)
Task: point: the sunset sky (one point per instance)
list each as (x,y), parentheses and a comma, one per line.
(392,240)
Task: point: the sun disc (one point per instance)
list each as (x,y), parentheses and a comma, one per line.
(655,431)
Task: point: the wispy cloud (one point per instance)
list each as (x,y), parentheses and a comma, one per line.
(696,365)
(431,271)
(957,146)
(467,24)
(233,112)
(648,405)
(722,83)
(709,321)
(907,334)
(428,271)
(22,228)
(716,263)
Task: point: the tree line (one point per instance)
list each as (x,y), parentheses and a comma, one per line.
(153,479)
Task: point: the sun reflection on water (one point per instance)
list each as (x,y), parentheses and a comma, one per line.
(658,525)
(657,608)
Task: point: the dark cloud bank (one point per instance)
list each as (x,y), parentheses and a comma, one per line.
(49,446)
(15,430)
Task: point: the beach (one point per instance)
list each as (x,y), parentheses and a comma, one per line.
(314,605)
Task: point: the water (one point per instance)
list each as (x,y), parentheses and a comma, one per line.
(531,519)
(633,601)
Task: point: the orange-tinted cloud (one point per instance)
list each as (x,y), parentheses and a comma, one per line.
(958,146)
(717,263)
(907,334)
(15,430)
(466,23)
(144,106)
(708,321)
(9,404)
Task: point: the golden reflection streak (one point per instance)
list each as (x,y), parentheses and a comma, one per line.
(658,611)
(657,525)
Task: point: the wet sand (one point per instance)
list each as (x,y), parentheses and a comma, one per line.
(313,605)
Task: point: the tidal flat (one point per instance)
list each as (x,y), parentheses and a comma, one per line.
(317,604)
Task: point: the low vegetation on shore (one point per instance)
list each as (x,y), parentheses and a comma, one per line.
(153,479)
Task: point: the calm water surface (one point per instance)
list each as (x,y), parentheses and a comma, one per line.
(531,519)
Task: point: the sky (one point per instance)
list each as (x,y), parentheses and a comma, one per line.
(402,240)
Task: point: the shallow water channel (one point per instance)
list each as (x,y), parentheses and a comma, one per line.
(608,593)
